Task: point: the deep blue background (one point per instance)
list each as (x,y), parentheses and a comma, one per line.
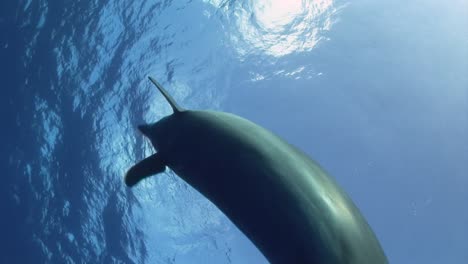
(376,92)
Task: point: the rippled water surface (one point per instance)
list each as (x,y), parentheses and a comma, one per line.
(376,92)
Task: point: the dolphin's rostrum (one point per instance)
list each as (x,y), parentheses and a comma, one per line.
(276,195)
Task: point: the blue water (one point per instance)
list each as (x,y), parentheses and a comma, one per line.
(376,92)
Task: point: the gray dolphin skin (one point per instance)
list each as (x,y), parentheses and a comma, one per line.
(274,193)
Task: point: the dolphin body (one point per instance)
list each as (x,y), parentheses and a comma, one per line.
(276,195)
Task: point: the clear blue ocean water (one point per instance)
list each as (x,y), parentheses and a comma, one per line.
(375,91)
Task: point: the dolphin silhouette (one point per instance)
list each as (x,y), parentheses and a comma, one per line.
(274,193)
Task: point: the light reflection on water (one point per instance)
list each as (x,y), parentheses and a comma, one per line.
(101,69)
(279,27)
(82,89)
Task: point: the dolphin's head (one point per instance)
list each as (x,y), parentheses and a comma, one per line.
(162,133)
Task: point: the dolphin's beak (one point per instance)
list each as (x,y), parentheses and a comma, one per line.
(145,129)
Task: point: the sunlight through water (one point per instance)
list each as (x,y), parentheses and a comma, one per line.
(274,15)
(279,27)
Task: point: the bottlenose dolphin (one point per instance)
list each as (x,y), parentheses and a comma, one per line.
(274,193)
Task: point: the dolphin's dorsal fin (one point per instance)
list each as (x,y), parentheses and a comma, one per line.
(176,108)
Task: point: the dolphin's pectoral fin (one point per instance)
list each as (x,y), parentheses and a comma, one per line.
(145,168)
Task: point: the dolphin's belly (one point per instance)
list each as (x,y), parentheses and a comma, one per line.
(283,201)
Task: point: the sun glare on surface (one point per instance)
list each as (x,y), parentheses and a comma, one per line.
(277,27)
(275,14)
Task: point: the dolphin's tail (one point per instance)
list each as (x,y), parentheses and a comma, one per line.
(175,107)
